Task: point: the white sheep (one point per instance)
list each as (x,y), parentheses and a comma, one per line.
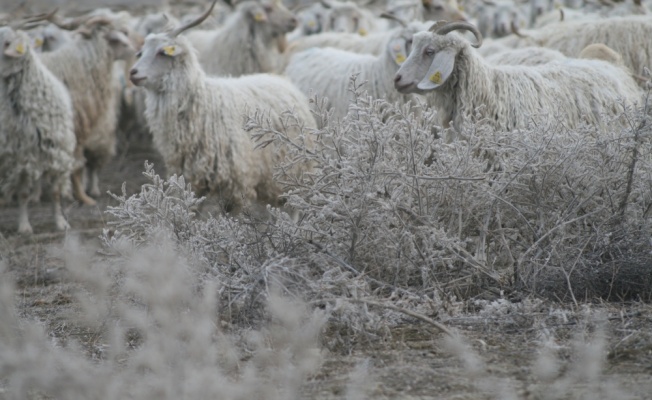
(497,19)
(306,70)
(628,36)
(197,121)
(37,140)
(248,42)
(347,17)
(525,56)
(86,66)
(464,87)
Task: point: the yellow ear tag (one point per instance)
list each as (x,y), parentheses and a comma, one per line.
(460,8)
(399,58)
(311,24)
(20,48)
(362,32)
(259,17)
(169,50)
(436,77)
(38,42)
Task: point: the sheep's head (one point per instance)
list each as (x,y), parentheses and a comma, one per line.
(16,45)
(162,53)
(405,10)
(432,59)
(269,16)
(505,17)
(445,10)
(312,19)
(344,17)
(400,43)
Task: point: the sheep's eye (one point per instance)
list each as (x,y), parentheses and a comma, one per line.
(139,54)
(429,52)
(268,9)
(7,44)
(438,8)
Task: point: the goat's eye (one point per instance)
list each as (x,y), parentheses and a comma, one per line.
(429,52)
(7,44)
(268,9)
(139,54)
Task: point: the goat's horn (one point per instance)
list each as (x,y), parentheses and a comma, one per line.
(393,17)
(458,25)
(515,30)
(194,22)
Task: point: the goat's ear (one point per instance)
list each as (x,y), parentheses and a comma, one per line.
(18,47)
(440,70)
(398,50)
(258,14)
(171,50)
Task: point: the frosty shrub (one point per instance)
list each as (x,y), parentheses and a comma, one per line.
(397,212)
(161,337)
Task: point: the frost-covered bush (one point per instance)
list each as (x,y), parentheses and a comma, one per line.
(397,211)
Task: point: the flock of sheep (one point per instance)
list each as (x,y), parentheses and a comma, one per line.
(65,80)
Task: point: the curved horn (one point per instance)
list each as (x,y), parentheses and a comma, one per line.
(326,4)
(459,25)
(33,20)
(561,15)
(516,32)
(194,22)
(393,17)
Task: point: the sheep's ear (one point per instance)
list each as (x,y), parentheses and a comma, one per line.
(18,47)
(398,50)
(440,70)
(171,50)
(258,14)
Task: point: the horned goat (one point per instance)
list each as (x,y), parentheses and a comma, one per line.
(85,66)
(197,121)
(37,139)
(248,42)
(306,70)
(462,86)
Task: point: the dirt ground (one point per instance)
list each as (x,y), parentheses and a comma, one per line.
(411,365)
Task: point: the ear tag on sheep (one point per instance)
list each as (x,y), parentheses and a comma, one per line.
(440,70)
(400,59)
(311,24)
(38,42)
(362,32)
(20,48)
(169,50)
(260,17)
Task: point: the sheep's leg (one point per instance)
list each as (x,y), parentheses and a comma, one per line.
(78,188)
(95,182)
(23,219)
(59,219)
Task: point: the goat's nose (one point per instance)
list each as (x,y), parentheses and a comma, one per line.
(397,78)
(133,71)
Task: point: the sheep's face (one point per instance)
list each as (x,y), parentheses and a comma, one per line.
(399,47)
(406,11)
(442,10)
(430,63)
(271,17)
(54,38)
(312,19)
(15,45)
(158,57)
(346,18)
(504,17)
(121,45)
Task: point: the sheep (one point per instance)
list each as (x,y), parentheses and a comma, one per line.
(37,139)
(311,21)
(85,66)
(497,19)
(307,72)
(247,43)
(628,36)
(197,121)
(463,87)
(442,10)
(347,17)
(525,56)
